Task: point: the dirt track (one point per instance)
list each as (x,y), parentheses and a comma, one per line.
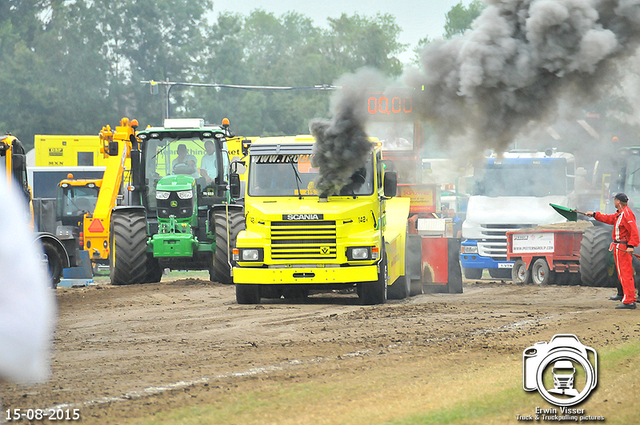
(128,352)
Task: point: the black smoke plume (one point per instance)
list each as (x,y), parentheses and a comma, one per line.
(518,60)
(342,145)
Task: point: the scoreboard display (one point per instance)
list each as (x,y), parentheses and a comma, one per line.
(390,106)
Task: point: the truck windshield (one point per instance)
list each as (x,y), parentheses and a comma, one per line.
(539,180)
(292,175)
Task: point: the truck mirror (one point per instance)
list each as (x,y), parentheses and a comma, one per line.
(113,148)
(246,144)
(235,163)
(390,184)
(234,185)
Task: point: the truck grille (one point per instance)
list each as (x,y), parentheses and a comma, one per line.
(303,240)
(494,239)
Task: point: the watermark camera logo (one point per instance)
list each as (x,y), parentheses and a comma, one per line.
(560,370)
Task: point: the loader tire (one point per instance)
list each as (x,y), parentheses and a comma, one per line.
(220,271)
(595,257)
(54,263)
(128,254)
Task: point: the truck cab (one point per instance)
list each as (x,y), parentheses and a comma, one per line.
(512,191)
(296,241)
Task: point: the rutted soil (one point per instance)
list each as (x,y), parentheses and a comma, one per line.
(122,353)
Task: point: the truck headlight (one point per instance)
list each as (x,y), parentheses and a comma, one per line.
(359,253)
(161,194)
(185,194)
(248,254)
(469,249)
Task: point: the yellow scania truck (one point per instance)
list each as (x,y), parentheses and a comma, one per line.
(296,242)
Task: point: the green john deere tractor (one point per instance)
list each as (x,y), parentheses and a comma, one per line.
(182,211)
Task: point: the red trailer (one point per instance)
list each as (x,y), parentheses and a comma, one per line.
(545,256)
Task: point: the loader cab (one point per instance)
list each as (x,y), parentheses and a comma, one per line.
(75,198)
(14,158)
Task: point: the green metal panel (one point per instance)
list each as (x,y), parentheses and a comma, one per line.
(173,245)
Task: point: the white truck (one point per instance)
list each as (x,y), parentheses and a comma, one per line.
(512,191)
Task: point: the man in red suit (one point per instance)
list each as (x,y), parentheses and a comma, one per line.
(625,238)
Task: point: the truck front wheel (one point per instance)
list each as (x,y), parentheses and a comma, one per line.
(473,274)
(247,294)
(54,263)
(376,292)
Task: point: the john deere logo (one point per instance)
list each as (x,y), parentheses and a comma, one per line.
(324,250)
(174,204)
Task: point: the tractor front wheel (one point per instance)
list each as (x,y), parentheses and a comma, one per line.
(128,254)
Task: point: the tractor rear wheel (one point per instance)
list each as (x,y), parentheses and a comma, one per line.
(595,258)
(221,271)
(401,288)
(128,256)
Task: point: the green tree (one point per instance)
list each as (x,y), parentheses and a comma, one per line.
(457,21)
(263,49)
(357,41)
(43,69)
(72,66)
(459,18)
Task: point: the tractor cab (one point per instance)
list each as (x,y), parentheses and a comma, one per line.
(187,147)
(627,180)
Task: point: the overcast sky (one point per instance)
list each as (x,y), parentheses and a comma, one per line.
(416,18)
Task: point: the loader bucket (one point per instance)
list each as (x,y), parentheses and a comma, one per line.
(567,213)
